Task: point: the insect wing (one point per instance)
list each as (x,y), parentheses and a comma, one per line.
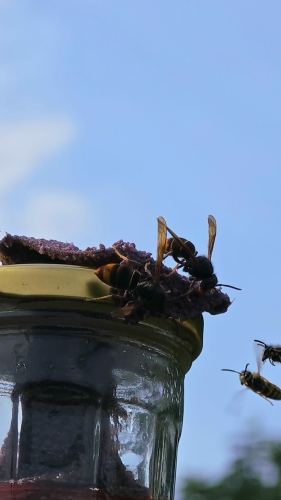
(161,243)
(258,354)
(182,244)
(212,230)
(236,404)
(127,310)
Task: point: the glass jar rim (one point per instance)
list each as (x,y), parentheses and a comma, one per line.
(62,282)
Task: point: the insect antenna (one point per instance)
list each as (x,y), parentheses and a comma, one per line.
(227,370)
(261,343)
(229,286)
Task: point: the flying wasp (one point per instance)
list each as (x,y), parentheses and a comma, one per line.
(200,268)
(148,294)
(258,384)
(273,353)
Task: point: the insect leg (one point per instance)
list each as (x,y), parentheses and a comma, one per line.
(167,255)
(181,296)
(174,320)
(264,398)
(146,269)
(100,298)
(177,266)
(122,257)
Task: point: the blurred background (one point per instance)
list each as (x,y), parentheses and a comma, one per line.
(113,113)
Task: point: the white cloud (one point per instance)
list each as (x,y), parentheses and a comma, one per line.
(24,145)
(55,215)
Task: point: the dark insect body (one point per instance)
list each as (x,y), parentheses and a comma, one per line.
(149,294)
(200,268)
(177,250)
(203,271)
(258,384)
(123,277)
(273,353)
(152,293)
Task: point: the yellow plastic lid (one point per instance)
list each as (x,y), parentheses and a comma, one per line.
(35,283)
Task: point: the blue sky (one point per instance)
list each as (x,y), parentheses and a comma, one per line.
(113,113)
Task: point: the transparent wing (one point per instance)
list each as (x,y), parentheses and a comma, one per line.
(235,406)
(212,230)
(258,353)
(161,244)
(127,310)
(182,244)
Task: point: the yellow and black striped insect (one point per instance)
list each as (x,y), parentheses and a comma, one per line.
(123,277)
(273,353)
(258,384)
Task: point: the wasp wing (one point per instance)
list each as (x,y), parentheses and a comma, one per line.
(183,245)
(235,406)
(161,243)
(127,310)
(258,355)
(212,230)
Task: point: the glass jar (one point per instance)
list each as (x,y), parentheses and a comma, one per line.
(91,407)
